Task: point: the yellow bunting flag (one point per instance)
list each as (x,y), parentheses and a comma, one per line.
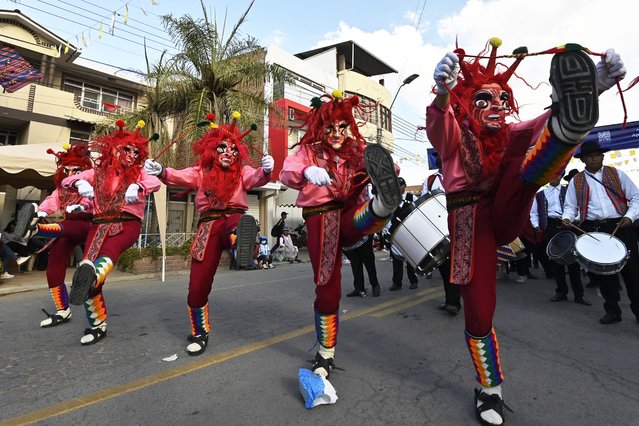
(66,48)
(126,15)
(100,31)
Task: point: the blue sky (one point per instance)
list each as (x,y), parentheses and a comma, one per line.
(411,36)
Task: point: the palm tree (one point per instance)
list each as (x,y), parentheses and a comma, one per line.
(217,73)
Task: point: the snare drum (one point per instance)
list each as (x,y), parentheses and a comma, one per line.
(421,233)
(602,255)
(561,248)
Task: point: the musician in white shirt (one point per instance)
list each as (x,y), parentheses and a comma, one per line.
(609,202)
(545,216)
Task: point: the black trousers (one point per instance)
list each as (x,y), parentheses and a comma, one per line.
(360,258)
(398,271)
(452,291)
(609,284)
(559,271)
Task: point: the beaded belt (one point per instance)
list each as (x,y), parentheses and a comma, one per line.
(209,215)
(114,217)
(460,199)
(311,211)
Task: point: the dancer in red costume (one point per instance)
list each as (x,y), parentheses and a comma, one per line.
(69,233)
(119,199)
(221,179)
(329,169)
(492,171)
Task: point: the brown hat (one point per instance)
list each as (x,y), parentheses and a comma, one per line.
(589,148)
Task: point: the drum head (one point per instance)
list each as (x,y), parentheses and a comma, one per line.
(561,243)
(605,250)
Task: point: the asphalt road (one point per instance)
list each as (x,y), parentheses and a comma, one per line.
(404,362)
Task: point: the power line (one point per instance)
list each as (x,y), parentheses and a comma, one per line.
(91,28)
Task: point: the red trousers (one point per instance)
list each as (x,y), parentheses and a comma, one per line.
(74,232)
(203,272)
(327,296)
(114,245)
(500,217)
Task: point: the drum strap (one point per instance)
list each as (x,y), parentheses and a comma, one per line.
(612,184)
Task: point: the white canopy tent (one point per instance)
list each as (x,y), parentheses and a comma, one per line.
(30,165)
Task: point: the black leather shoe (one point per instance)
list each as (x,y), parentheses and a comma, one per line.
(610,318)
(376,291)
(395,287)
(582,301)
(559,298)
(356,293)
(452,309)
(413,286)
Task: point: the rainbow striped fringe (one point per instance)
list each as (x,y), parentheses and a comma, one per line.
(546,159)
(95,309)
(485,354)
(326,326)
(199,320)
(50,230)
(366,222)
(60,296)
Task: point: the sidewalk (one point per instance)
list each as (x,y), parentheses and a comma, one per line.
(37,280)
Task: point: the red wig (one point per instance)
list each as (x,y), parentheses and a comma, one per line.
(221,183)
(111,148)
(323,114)
(76,155)
(474,75)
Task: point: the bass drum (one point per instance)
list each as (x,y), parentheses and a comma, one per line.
(420,233)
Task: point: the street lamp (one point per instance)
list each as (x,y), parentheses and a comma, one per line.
(407,80)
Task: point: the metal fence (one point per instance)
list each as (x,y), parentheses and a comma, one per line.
(172,240)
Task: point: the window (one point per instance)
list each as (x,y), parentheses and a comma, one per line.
(98,98)
(78,137)
(8,137)
(385,116)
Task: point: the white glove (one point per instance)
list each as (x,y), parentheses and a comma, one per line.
(267,164)
(75,208)
(609,69)
(317,176)
(445,74)
(153,168)
(84,188)
(131,195)
(42,214)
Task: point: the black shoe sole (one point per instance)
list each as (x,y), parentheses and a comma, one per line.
(245,243)
(573,78)
(23,219)
(83,281)
(381,169)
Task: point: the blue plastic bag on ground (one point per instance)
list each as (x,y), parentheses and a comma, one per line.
(315,389)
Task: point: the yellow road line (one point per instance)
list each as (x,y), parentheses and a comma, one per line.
(78,403)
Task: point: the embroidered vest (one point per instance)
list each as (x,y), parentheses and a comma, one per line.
(612,184)
(542,206)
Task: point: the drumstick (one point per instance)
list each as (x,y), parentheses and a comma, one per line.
(615,231)
(584,232)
